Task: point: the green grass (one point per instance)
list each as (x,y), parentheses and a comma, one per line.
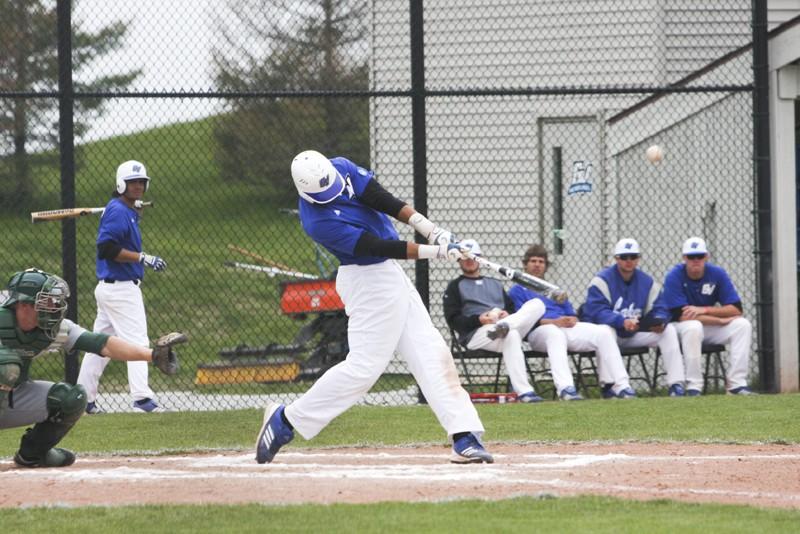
(578,514)
(765,418)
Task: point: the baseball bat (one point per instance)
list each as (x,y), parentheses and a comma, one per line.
(272,272)
(537,284)
(74,213)
(261,259)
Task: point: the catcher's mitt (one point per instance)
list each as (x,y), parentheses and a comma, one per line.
(164,357)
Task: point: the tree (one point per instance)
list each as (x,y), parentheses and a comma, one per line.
(274,45)
(29,63)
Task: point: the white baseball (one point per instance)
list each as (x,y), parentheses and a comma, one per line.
(654,154)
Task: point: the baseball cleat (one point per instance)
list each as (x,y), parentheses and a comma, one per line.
(530,396)
(693,393)
(608,392)
(273,435)
(498,331)
(627,393)
(92,408)
(569,393)
(55,457)
(468,450)
(743,390)
(676,390)
(147,406)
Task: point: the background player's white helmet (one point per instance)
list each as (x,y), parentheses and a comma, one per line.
(131,170)
(315,177)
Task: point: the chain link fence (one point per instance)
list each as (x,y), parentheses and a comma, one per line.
(537,119)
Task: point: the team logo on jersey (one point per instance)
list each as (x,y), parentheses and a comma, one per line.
(337,212)
(630,312)
(708,289)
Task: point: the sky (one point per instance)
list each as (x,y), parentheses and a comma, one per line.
(170,41)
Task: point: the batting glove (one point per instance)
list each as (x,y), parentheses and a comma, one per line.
(431,232)
(154,262)
(440,236)
(451,251)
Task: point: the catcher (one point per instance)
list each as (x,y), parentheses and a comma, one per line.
(32,322)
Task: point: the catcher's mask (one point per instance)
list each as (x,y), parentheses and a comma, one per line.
(47,292)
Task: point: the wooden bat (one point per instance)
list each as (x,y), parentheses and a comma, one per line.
(261,259)
(537,284)
(74,213)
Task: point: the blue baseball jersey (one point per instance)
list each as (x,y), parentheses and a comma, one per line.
(339,224)
(553,310)
(119,224)
(610,300)
(714,286)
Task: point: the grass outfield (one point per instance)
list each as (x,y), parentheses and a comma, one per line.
(766,418)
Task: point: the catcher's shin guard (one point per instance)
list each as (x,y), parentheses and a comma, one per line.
(65,405)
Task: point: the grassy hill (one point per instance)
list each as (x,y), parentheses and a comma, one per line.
(197,214)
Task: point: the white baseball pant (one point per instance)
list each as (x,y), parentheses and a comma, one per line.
(738,333)
(519,324)
(583,337)
(386,314)
(120,312)
(666,341)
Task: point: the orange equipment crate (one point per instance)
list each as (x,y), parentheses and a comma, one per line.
(309,296)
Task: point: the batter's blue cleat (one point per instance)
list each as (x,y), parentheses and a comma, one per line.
(676,390)
(693,393)
(273,435)
(468,450)
(569,393)
(530,396)
(743,390)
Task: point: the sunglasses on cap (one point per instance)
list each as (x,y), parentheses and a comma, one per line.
(627,257)
(695,256)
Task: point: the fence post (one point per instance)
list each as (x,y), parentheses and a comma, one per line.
(418,134)
(66,99)
(763,191)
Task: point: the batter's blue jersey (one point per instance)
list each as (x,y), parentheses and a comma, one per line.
(610,300)
(119,224)
(714,286)
(339,224)
(553,310)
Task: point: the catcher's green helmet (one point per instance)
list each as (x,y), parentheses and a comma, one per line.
(47,292)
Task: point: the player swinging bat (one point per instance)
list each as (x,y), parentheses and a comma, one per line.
(550,290)
(74,213)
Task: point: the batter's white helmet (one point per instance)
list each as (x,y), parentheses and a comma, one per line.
(131,170)
(315,177)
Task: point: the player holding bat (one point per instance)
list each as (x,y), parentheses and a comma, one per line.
(120,270)
(343,208)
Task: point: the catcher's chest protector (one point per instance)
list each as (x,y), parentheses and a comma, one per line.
(28,344)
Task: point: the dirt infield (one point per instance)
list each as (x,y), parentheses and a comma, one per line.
(760,475)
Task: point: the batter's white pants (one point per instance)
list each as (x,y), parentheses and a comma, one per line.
(519,324)
(667,343)
(738,333)
(120,312)
(386,315)
(583,337)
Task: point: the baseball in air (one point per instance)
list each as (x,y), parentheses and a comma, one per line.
(654,154)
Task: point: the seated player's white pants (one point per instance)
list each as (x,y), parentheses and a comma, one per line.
(386,314)
(583,337)
(667,342)
(120,312)
(738,333)
(519,324)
